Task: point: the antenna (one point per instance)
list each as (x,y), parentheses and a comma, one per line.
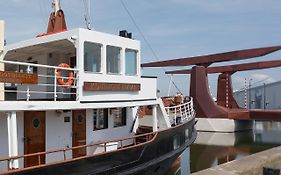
(87,5)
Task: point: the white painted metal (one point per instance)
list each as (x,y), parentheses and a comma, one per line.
(36,65)
(58,132)
(47,43)
(2,26)
(56,4)
(154,118)
(44,89)
(164,122)
(61,105)
(12,138)
(4,151)
(136,111)
(180,113)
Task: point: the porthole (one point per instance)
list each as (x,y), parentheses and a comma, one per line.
(35,123)
(80,119)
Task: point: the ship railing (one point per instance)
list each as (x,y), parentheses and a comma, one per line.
(180,113)
(46,89)
(66,153)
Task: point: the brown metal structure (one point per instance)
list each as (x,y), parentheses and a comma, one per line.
(225,96)
(207,60)
(234,68)
(224,89)
(199,89)
(56,22)
(204,105)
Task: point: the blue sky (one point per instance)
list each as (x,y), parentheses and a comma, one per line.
(174,28)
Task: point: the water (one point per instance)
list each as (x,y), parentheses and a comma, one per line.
(211,149)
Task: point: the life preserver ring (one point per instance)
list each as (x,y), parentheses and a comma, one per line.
(60,81)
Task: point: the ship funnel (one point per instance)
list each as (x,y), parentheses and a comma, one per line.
(56,21)
(2,26)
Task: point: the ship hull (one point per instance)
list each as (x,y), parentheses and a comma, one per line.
(154,157)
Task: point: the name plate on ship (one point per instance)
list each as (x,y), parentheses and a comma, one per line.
(16,77)
(97,86)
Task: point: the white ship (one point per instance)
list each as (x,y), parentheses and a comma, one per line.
(70,104)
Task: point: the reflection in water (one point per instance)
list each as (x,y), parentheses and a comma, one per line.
(211,149)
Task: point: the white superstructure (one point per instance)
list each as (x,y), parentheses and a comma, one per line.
(109,65)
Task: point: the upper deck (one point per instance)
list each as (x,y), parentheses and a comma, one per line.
(105,68)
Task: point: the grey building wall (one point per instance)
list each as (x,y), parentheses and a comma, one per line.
(266,96)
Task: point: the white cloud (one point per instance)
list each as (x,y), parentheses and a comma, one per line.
(258,79)
(255,79)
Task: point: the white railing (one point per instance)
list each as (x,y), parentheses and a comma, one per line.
(181,113)
(47,88)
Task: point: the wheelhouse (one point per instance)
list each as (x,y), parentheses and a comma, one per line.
(103,65)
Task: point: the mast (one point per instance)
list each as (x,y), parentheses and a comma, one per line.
(1,37)
(56,6)
(87,4)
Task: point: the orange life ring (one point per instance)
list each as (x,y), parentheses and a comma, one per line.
(70,76)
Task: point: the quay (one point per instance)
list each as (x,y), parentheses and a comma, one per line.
(250,165)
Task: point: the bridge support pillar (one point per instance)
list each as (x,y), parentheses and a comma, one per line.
(204,104)
(225,96)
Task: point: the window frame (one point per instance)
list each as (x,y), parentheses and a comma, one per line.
(101,57)
(105,119)
(136,62)
(119,63)
(123,112)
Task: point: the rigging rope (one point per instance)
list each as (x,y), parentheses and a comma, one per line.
(146,41)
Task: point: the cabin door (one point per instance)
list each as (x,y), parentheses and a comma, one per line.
(79,132)
(34,137)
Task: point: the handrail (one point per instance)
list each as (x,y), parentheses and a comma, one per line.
(47,79)
(181,112)
(37,65)
(148,137)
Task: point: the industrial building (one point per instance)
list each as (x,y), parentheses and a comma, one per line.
(266,96)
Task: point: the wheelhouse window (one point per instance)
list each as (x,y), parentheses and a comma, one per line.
(100,119)
(113,65)
(130,62)
(92,57)
(119,116)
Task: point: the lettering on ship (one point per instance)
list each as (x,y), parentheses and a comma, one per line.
(97,86)
(16,77)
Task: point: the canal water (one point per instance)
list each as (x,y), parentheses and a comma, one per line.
(211,149)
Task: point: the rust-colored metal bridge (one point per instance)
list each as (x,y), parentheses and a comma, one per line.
(226,106)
